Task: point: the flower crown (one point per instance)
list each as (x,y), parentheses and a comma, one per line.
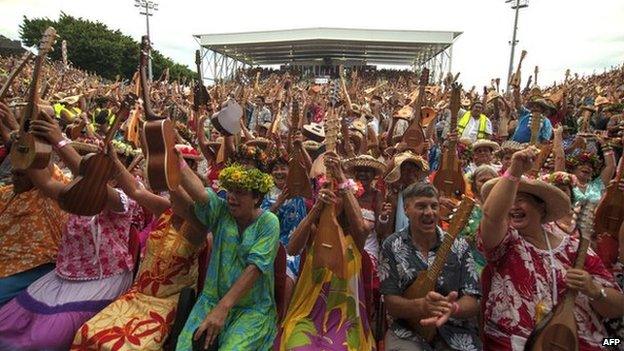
(253,153)
(560,178)
(237,176)
(584,157)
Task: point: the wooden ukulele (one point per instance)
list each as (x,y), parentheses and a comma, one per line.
(14,73)
(87,194)
(159,135)
(515,78)
(201,98)
(535,123)
(329,242)
(414,136)
(28,151)
(297,180)
(557,331)
(449,179)
(610,211)
(426,280)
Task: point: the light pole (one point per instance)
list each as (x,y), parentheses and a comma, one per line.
(146,6)
(519,4)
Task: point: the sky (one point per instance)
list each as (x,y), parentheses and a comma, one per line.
(586,37)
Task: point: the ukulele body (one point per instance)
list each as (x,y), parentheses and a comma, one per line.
(162,163)
(30,152)
(560,331)
(329,244)
(297,180)
(610,211)
(419,289)
(87,194)
(450,182)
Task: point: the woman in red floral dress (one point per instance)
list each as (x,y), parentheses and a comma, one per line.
(529,263)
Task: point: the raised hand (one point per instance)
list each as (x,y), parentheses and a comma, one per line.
(522,161)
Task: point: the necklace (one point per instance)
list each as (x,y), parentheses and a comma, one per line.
(541,308)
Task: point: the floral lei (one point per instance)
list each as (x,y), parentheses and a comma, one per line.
(560,178)
(237,176)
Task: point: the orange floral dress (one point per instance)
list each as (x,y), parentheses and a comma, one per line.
(30,228)
(142,317)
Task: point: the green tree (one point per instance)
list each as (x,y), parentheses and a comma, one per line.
(93,47)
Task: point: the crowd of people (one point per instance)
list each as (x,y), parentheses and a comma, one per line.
(307,217)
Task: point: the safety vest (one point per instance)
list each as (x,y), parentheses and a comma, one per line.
(110,116)
(70,113)
(463,122)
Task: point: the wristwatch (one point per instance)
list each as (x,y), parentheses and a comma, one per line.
(603,294)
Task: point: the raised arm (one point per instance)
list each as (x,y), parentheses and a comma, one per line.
(609,168)
(152,202)
(352,208)
(301,234)
(191,183)
(501,198)
(47,128)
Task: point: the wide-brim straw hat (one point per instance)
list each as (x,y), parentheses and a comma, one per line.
(365,161)
(406,112)
(556,201)
(542,103)
(406,156)
(70,100)
(314,131)
(261,142)
(510,146)
(486,143)
(601,100)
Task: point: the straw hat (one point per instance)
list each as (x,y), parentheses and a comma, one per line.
(358,126)
(314,131)
(510,146)
(601,100)
(365,161)
(407,156)
(540,101)
(260,142)
(492,95)
(406,112)
(70,100)
(557,202)
(486,143)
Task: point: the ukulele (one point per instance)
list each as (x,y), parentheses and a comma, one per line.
(449,179)
(515,78)
(426,280)
(201,98)
(329,242)
(159,135)
(558,330)
(535,123)
(28,151)
(87,194)
(297,181)
(414,135)
(14,73)
(610,211)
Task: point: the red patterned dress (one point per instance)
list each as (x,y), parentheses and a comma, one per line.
(142,317)
(518,276)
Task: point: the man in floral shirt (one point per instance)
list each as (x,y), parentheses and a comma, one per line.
(453,306)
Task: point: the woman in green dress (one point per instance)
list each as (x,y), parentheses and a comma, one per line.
(236,309)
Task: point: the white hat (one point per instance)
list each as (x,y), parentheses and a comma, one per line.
(227,120)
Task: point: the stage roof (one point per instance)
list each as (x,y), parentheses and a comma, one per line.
(372,46)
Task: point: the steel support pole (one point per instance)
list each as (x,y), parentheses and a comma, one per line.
(513,44)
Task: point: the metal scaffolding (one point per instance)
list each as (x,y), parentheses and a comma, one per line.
(319,51)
